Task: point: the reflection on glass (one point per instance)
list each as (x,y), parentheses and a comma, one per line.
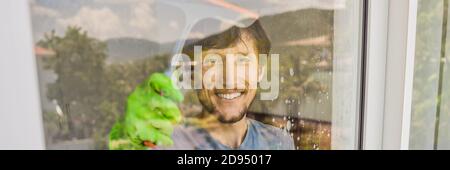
(430,107)
(93,54)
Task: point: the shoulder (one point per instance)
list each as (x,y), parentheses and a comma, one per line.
(275,136)
(188,137)
(267,129)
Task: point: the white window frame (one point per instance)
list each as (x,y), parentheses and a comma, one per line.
(377,25)
(386,108)
(21,124)
(389,75)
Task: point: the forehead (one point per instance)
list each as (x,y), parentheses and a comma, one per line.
(244,45)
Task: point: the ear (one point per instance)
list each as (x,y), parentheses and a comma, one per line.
(261,71)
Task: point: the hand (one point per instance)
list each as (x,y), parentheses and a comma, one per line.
(152,112)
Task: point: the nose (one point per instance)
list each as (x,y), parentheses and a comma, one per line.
(230,72)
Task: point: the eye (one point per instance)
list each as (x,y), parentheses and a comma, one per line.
(243,60)
(209,62)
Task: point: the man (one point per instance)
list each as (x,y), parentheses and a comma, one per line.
(223,124)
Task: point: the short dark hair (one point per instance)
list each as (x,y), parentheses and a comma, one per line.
(230,37)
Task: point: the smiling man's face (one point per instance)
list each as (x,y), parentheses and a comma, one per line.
(231,104)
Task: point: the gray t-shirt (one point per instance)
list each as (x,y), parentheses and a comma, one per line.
(259,136)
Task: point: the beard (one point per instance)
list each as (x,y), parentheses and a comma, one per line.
(223,119)
(224,115)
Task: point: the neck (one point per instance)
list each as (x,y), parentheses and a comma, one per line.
(229,134)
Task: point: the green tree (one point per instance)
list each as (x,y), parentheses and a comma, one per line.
(79,63)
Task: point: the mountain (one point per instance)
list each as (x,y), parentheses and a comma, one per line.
(123,49)
(282,28)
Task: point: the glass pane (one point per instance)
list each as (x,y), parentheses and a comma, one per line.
(430,107)
(95,57)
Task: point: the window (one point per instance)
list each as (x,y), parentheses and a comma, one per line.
(430,103)
(92,54)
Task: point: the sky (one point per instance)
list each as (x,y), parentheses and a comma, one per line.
(155,20)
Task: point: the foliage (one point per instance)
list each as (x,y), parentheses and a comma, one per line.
(426,101)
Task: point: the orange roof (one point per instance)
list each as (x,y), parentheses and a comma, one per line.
(43,52)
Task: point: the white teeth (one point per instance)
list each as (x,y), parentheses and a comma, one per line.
(229,96)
